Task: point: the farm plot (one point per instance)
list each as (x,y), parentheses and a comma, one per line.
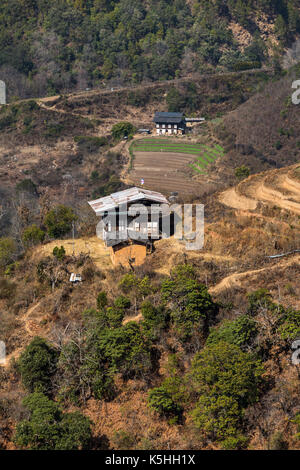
(167,165)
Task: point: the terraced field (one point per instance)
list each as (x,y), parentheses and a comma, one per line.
(168,165)
(279,188)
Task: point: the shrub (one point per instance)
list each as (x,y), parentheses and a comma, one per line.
(7,251)
(189,302)
(160,400)
(156,319)
(123,440)
(37,364)
(277,442)
(59,221)
(258,299)
(242,172)
(49,429)
(7,121)
(90,143)
(101,300)
(33,235)
(26,185)
(54,129)
(239,332)
(59,253)
(7,289)
(227,381)
(289,328)
(123,129)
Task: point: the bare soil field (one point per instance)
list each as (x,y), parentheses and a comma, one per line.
(165,172)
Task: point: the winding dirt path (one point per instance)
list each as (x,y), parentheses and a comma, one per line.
(235,280)
(231,198)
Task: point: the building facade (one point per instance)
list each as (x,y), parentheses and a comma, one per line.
(169,123)
(130,222)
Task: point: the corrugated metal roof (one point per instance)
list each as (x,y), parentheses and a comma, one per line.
(114,200)
(168,117)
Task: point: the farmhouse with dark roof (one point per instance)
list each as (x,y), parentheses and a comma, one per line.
(173,123)
(169,123)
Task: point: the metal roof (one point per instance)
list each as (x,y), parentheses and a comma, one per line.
(114,200)
(174,118)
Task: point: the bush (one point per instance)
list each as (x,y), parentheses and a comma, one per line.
(101,300)
(59,253)
(37,364)
(7,289)
(123,440)
(189,301)
(7,121)
(240,332)
(277,442)
(90,143)
(123,129)
(54,129)
(59,221)
(33,235)
(289,328)
(26,185)
(156,319)
(160,400)
(242,172)
(49,429)
(7,251)
(227,381)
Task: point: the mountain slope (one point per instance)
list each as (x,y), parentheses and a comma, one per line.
(47,47)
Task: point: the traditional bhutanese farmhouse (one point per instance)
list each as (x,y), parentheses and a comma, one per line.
(130,222)
(169,123)
(173,123)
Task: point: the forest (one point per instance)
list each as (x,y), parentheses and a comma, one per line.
(47,48)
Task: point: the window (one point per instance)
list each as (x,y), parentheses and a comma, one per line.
(175,126)
(153,227)
(163,126)
(170,126)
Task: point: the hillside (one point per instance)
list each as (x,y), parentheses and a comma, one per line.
(49,48)
(69,138)
(265,130)
(191,350)
(232,265)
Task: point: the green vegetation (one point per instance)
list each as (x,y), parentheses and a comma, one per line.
(226,381)
(211,375)
(59,253)
(33,235)
(8,250)
(106,177)
(123,129)
(206,154)
(37,364)
(242,172)
(190,303)
(59,221)
(48,428)
(159,400)
(129,41)
(239,332)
